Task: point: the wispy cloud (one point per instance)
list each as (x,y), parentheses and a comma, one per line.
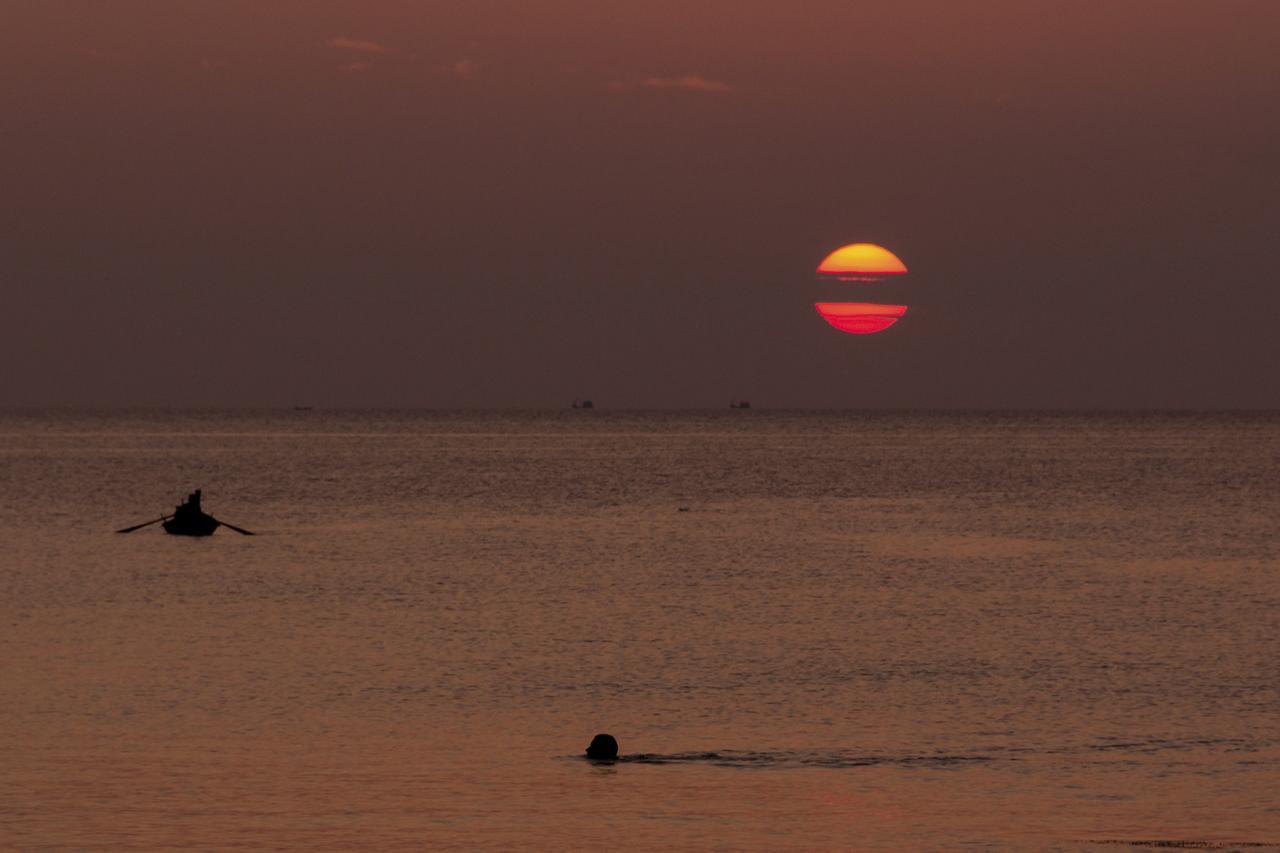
(690,83)
(357,45)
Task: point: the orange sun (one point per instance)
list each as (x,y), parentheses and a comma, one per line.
(860,263)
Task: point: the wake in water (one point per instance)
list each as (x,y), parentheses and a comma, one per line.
(604,749)
(1183,845)
(835,760)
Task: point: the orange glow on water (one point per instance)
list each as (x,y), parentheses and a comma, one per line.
(861,262)
(860,318)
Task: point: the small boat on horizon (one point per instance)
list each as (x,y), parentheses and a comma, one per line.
(739,404)
(583,404)
(197,525)
(188,519)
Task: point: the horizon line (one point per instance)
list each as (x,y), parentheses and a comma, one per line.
(304,409)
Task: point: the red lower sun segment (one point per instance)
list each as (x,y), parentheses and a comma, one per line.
(860,318)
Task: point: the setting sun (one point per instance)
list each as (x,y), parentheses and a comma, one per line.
(860,318)
(861,262)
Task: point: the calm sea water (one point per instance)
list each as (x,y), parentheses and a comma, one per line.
(807,630)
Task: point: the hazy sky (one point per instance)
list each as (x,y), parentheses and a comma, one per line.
(385,202)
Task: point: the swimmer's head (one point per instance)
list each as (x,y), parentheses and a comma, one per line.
(603,748)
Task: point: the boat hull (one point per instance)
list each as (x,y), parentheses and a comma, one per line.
(201,526)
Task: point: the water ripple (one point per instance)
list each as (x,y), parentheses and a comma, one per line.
(796,758)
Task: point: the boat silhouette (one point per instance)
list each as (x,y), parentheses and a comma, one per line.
(199,524)
(188,519)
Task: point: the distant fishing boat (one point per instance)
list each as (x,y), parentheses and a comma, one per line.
(739,404)
(188,519)
(199,525)
(583,404)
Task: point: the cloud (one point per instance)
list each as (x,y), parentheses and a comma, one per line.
(465,69)
(358,45)
(690,83)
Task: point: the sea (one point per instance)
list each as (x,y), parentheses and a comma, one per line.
(806,630)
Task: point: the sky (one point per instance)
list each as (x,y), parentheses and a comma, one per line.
(516,204)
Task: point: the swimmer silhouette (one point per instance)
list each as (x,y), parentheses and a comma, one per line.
(603,748)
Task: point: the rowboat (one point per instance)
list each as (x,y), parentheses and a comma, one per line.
(188,519)
(196,524)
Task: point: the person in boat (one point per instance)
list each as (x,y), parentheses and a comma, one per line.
(190,510)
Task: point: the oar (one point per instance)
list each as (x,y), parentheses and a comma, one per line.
(144,524)
(237,529)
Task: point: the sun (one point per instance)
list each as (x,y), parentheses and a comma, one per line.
(860,318)
(861,262)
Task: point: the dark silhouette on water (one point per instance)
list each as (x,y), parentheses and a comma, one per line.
(739,404)
(603,748)
(189,519)
(583,404)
